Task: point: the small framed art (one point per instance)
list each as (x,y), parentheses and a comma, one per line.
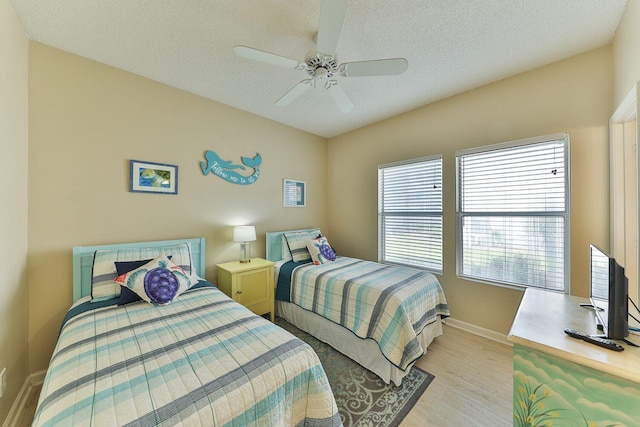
(148,177)
(294,194)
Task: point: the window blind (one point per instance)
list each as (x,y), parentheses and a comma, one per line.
(512,213)
(410,213)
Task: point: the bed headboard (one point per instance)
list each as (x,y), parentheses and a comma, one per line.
(274,243)
(83,260)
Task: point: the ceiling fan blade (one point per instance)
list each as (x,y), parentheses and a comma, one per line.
(340,97)
(295,92)
(332,14)
(269,58)
(380,67)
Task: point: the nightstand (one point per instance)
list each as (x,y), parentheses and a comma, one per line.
(250,284)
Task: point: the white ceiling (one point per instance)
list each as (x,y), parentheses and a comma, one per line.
(451,45)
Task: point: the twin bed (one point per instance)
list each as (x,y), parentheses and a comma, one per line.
(382,316)
(203,359)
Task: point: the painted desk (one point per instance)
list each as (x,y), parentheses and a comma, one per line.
(562,381)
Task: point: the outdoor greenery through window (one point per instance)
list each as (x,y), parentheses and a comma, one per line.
(410,213)
(513,213)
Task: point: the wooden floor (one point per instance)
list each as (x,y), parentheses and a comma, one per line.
(472,385)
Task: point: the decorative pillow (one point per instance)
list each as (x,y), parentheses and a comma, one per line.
(123,267)
(297,242)
(321,251)
(286,254)
(104,270)
(127,296)
(157,282)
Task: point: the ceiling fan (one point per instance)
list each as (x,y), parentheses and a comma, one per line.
(323,67)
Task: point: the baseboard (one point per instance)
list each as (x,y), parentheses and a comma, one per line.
(18,404)
(30,383)
(477,330)
(37,378)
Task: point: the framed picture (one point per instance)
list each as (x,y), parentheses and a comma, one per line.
(294,194)
(148,177)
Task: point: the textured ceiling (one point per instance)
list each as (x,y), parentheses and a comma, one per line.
(451,45)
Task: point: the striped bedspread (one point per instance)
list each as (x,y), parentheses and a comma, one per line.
(201,360)
(387,303)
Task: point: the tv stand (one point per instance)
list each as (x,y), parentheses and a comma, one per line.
(545,359)
(599,325)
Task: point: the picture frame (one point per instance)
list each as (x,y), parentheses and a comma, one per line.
(294,193)
(150,177)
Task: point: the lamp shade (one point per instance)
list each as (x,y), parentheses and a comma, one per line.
(244,233)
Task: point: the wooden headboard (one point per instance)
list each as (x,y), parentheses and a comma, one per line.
(83,260)
(274,243)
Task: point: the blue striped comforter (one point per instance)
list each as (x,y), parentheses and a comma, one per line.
(201,360)
(388,304)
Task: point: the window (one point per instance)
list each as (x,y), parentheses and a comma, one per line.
(512,214)
(410,213)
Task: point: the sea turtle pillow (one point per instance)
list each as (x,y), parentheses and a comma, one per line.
(158,282)
(321,251)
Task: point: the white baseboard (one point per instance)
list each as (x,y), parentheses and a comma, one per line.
(30,383)
(477,330)
(37,378)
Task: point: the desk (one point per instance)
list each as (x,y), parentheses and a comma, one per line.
(567,381)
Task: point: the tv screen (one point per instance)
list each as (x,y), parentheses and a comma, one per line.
(609,291)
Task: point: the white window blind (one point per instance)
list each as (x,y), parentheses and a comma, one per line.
(410,213)
(513,213)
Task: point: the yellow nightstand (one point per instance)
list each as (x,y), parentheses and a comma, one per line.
(250,284)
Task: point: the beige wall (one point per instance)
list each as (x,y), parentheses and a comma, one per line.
(14,306)
(573,95)
(626,52)
(88,120)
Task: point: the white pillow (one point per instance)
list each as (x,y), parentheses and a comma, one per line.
(321,251)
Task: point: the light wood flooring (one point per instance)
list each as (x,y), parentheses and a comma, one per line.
(472,385)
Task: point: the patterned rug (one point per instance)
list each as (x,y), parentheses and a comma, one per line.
(363,398)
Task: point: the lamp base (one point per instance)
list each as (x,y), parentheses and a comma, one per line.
(245,252)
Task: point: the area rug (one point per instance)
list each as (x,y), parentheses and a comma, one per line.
(363,399)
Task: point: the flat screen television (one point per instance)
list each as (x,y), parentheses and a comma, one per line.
(609,294)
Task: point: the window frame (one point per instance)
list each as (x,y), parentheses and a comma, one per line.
(439,214)
(566,214)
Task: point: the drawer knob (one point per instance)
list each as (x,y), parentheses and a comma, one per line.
(239,292)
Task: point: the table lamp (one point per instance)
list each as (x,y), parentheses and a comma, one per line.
(244,234)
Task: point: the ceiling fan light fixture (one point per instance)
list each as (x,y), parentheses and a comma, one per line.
(323,65)
(322,73)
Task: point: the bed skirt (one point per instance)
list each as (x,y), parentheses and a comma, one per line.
(364,351)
